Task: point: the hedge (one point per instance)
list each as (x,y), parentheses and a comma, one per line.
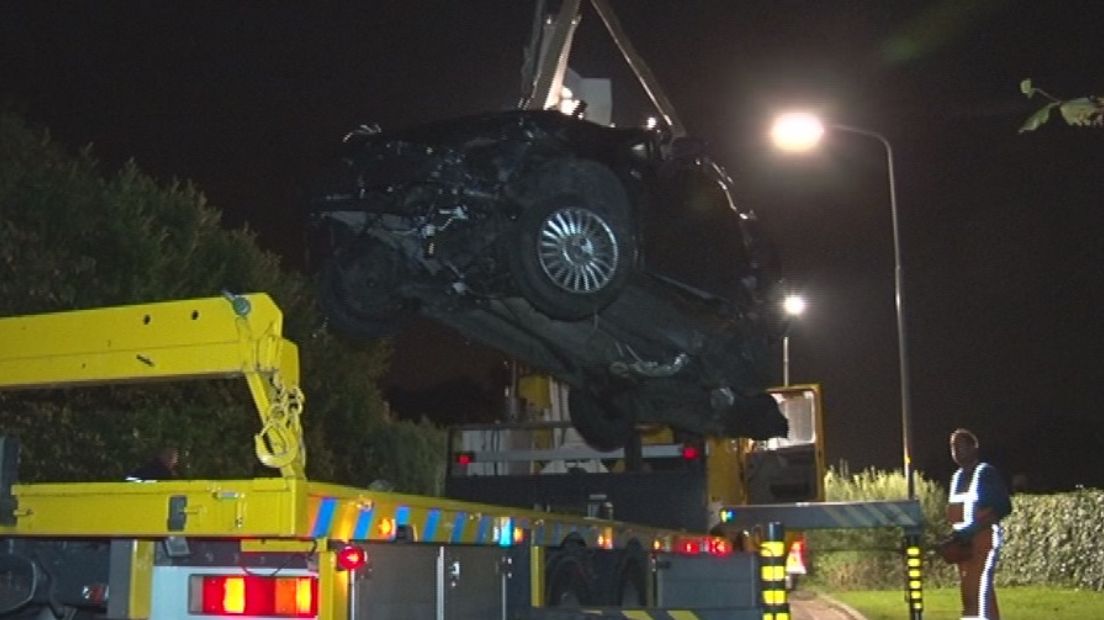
(1055,540)
(1050,540)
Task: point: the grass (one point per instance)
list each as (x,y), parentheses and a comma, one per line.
(1016,603)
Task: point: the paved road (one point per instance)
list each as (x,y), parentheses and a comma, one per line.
(806,605)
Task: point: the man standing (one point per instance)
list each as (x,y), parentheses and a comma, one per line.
(977,503)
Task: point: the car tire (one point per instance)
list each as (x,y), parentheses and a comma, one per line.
(602,426)
(358,291)
(574,246)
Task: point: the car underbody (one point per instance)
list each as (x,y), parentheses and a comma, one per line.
(544,236)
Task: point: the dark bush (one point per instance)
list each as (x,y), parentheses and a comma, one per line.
(73,237)
(1049,539)
(873,558)
(1055,540)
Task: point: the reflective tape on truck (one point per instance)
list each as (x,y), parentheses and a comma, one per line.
(390,517)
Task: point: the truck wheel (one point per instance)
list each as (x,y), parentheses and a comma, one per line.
(567,583)
(603,426)
(358,291)
(574,245)
(633,590)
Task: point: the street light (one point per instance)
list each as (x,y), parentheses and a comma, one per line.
(793,305)
(801,131)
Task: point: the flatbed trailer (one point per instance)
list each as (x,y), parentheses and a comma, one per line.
(761,496)
(289,547)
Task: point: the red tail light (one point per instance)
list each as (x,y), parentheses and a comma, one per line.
(690,546)
(719,547)
(690,452)
(464,458)
(249,595)
(351,557)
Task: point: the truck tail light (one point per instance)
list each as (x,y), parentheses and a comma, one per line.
(251,595)
(689,546)
(465,458)
(690,452)
(351,557)
(719,547)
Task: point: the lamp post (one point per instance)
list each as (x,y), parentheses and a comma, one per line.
(793,305)
(798,131)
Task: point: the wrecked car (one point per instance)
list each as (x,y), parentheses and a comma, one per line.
(609,258)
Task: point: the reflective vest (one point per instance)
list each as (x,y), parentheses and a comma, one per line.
(962,505)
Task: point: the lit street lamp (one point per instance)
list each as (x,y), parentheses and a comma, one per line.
(797,132)
(793,305)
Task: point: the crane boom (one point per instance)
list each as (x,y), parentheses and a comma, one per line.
(551,46)
(215,337)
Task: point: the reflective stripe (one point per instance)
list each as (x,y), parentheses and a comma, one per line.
(968,499)
(458,523)
(324,518)
(985,583)
(363,524)
(483,530)
(429,532)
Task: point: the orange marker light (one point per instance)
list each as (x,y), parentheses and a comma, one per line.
(719,547)
(386,528)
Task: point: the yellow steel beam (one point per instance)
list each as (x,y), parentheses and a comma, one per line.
(333,586)
(215,337)
(536,576)
(140,587)
(262,507)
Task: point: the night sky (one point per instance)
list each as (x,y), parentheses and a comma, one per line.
(1002,247)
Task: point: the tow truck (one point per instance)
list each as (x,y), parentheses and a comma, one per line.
(285,546)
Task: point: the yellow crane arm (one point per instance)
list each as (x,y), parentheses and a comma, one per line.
(215,337)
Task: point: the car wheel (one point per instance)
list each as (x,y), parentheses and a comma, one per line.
(358,291)
(603,426)
(574,246)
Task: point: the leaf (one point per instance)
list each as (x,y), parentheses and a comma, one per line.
(1037,119)
(1026,88)
(1079,112)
